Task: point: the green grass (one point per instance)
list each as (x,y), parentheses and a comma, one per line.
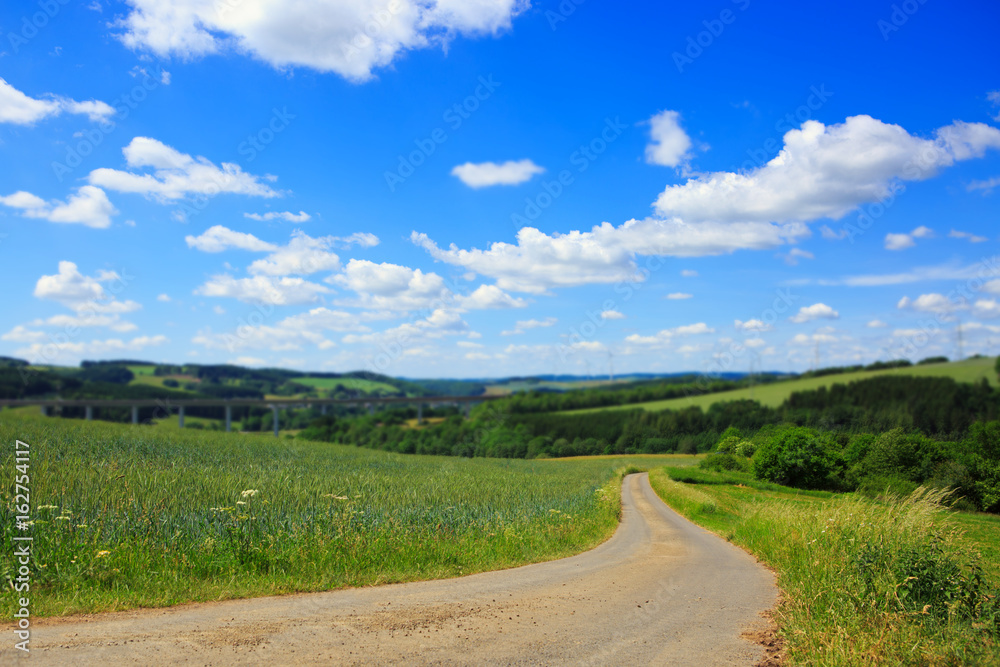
(128,516)
(774,394)
(865,581)
(142,371)
(356,384)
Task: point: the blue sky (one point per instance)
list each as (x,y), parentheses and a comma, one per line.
(457,189)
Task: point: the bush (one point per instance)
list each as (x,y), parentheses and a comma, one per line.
(725,463)
(795,456)
(170,382)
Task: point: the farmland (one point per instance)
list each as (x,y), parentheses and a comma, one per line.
(773,394)
(129,516)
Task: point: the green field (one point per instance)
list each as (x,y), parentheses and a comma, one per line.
(865,581)
(505,388)
(128,516)
(354,384)
(774,394)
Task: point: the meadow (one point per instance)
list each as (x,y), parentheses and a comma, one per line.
(128,516)
(866,581)
(774,394)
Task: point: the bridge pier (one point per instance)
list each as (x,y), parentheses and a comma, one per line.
(89,411)
(322,409)
(420,414)
(229,418)
(135,414)
(274,411)
(180,416)
(467,407)
(45,410)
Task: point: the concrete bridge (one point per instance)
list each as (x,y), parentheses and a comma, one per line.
(275,404)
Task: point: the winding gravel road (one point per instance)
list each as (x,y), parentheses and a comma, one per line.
(661,591)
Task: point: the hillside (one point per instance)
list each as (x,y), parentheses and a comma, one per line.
(775,393)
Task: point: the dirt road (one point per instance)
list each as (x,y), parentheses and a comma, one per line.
(661,591)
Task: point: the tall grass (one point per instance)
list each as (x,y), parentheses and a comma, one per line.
(887,581)
(128,516)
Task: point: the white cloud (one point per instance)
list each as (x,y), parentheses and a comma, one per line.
(303,255)
(825,171)
(751,325)
(362,239)
(489,297)
(218,310)
(264,289)
(986,308)
(176,175)
(831,235)
(164,298)
(817,311)
(969,236)
(605,254)
(677,296)
(689,273)
(487,174)
(56,350)
(994,97)
(524,325)
(80,293)
(88,206)
(986,186)
(669,144)
(612,315)
(393,287)
(349,37)
(20,109)
(218,239)
(795,254)
(933,303)
(468,344)
(904,241)
(876,324)
(287,216)
(805,339)
(665,336)
(438,324)
(898,241)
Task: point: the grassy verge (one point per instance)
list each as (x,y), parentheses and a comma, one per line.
(129,516)
(888,582)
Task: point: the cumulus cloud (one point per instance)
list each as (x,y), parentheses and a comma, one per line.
(677,296)
(87,206)
(291,333)
(793,256)
(263,289)
(876,324)
(348,37)
(303,255)
(751,325)
(826,171)
(176,175)
(665,336)
(539,262)
(968,236)
(287,216)
(55,350)
(817,311)
(904,241)
(20,109)
(933,303)
(612,315)
(438,324)
(487,174)
(986,186)
(669,144)
(490,297)
(218,239)
(689,273)
(83,294)
(524,325)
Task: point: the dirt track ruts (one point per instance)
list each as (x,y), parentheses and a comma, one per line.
(661,591)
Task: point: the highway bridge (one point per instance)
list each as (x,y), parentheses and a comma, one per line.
(169,406)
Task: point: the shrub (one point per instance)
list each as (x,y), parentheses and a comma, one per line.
(795,456)
(725,462)
(172,383)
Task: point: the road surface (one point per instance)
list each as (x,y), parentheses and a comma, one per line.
(661,591)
